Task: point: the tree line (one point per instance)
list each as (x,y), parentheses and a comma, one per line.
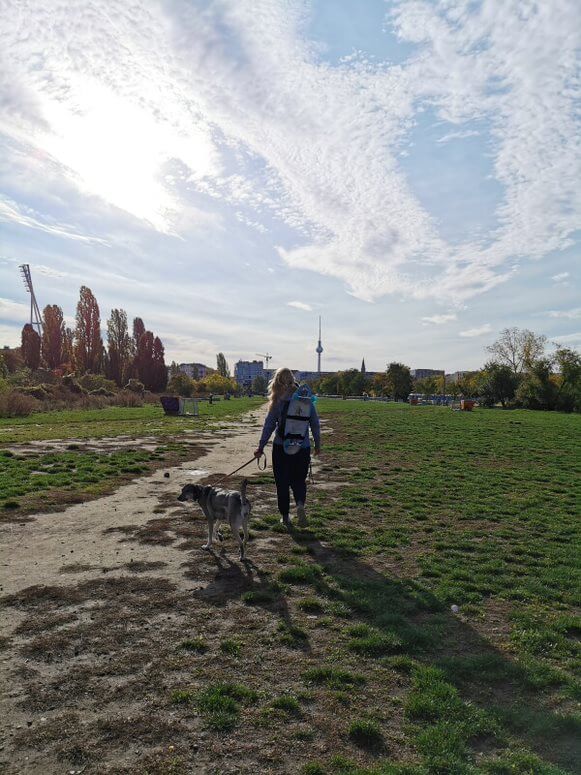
(138,354)
(519,373)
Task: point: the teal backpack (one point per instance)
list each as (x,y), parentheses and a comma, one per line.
(295,420)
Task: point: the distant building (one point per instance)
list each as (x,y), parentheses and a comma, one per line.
(245,372)
(456,376)
(425,373)
(194,370)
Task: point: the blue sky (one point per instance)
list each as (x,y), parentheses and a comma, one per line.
(229,170)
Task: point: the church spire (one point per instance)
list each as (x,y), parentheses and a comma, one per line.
(363,366)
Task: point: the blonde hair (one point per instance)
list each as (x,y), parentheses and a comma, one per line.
(281,382)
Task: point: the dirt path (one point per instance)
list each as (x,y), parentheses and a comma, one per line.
(36,552)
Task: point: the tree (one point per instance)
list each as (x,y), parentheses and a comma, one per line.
(428,385)
(259,385)
(497,383)
(569,389)
(88,341)
(537,389)
(181,384)
(216,383)
(329,385)
(222,365)
(138,331)
(144,359)
(399,381)
(119,347)
(30,347)
(518,348)
(159,369)
(69,347)
(53,336)
(174,369)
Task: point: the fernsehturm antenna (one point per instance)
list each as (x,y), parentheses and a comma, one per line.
(35,318)
(319,349)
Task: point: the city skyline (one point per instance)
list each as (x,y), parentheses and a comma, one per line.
(231,171)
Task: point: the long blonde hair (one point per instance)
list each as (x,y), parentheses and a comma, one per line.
(282,381)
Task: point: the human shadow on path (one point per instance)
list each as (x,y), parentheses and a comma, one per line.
(433,636)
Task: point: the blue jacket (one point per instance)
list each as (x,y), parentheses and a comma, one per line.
(273,422)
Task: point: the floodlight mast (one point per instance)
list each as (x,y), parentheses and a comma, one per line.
(35,316)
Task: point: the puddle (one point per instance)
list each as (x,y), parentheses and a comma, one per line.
(197,472)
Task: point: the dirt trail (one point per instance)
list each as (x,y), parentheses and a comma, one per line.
(36,552)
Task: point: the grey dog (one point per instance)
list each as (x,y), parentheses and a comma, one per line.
(221,505)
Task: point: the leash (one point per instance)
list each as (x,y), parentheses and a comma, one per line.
(258,463)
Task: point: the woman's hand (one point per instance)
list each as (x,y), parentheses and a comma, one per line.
(257,452)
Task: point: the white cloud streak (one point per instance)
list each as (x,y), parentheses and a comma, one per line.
(439,320)
(300,305)
(479,331)
(568,314)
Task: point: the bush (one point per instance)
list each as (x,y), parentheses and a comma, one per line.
(181,385)
(16,404)
(128,399)
(102,391)
(71,384)
(135,386)
(94,383)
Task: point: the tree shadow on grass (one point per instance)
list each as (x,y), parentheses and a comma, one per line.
(411,624)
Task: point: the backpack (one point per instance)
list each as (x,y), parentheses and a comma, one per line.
(295,419)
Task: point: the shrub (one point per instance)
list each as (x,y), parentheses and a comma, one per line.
(135,386)
(16,404)
(127,399)
(94,383)
(181,385)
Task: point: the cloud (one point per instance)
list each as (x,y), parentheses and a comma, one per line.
(559,278)
(12,212)
(458,135)
(14,311)
(439,320)
(569,314)
(479,331)
(300,305)
(573,340)
(238,96)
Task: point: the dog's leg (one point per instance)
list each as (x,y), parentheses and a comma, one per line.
(208,546)
(245,540)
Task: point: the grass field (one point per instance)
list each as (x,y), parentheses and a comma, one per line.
(335,650)
(95,450)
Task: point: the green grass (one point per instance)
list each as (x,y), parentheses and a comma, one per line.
(115,421)
(478,510)
(31,480)
(220,704)
(366,734)
(195,645)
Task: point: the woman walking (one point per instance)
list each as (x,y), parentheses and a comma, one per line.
(290,466)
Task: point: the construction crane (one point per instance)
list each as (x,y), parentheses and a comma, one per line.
(35,317)
(266,357)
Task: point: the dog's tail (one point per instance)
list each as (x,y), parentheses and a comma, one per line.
(243,491)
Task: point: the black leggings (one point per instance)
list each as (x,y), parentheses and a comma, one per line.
(290,471)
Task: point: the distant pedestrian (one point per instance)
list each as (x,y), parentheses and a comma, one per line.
(290,470)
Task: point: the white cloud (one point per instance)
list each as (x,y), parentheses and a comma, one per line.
(439,320)
(236,93)
(572,340)
(458,135)
(569,314)
(12,212)
(14,311)
(559,278)
(300,305)
(479,331)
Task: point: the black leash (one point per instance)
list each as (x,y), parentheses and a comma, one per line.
(258,463)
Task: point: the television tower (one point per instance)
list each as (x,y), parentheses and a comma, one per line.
(319,349)
(35,318)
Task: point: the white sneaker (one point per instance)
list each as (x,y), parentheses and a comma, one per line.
(302,515)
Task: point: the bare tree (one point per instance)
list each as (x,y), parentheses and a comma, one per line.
(518,348)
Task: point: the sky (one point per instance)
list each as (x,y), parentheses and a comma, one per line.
(230,170)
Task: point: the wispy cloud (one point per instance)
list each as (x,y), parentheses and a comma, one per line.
(12,212)
(458,135)
(558,278)
(574,340)
(439,320)
(236,95)
(569,314)
(479,331)
(14,311)
(300,305)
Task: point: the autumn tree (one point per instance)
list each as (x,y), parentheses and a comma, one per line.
(159,369)
(30,347)
(53,335)
(88,340)
(138,331)
(150,362)
(119,347)
(518,348)
(69,347)
(222,365)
